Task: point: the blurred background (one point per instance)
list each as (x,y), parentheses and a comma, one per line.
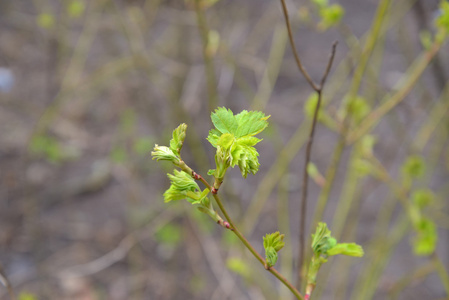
(88,87)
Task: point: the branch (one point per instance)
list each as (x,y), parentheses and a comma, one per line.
(318,89)
(295,52)
(305,180)
(237,232)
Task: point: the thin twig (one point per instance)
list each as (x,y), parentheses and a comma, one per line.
(209,63)
(305,180)
(237,232)
(318,89)
(295,52)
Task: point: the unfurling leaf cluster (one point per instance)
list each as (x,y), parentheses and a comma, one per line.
(330,15)
(323,246)
(182,184)
(272,243)
(426,235)
(172,153)
(233,136)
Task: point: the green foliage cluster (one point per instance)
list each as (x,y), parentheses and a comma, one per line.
(330,14)
(272,243)
(323,246)
(234,138)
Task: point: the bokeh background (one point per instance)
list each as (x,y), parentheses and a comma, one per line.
(88,87)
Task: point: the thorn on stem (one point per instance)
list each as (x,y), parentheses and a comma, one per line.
(214,191)
(196,175)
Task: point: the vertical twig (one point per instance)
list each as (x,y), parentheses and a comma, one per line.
(318,88)
(242,238)
(210,68)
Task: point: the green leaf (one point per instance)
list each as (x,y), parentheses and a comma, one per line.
(442,21)
(271,256)
(357,108)
(423,197)
(224,120)
(331,16)
(414,167)
(250,123)
(182,186)
(351,249)
(225,141)
(275,240)
(164,153)
(272,243)
(214,136)
(247,162)
(322,240)
(234,139)
(179,134)
(425,241)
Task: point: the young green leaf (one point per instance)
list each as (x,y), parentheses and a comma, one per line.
(324,244)
(422,197)
(442,21)
(224,120)
(322,240)
(271,256)
(213,137)
(234,139)
(330,16)
(164,153)
(414,167)
(182,186)
(425,241)
(273,243)
(351,249)
(357,108)
(250,123)
(179,134)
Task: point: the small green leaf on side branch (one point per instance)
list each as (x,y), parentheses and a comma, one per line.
(179,134)
(273,243)
(164,153)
